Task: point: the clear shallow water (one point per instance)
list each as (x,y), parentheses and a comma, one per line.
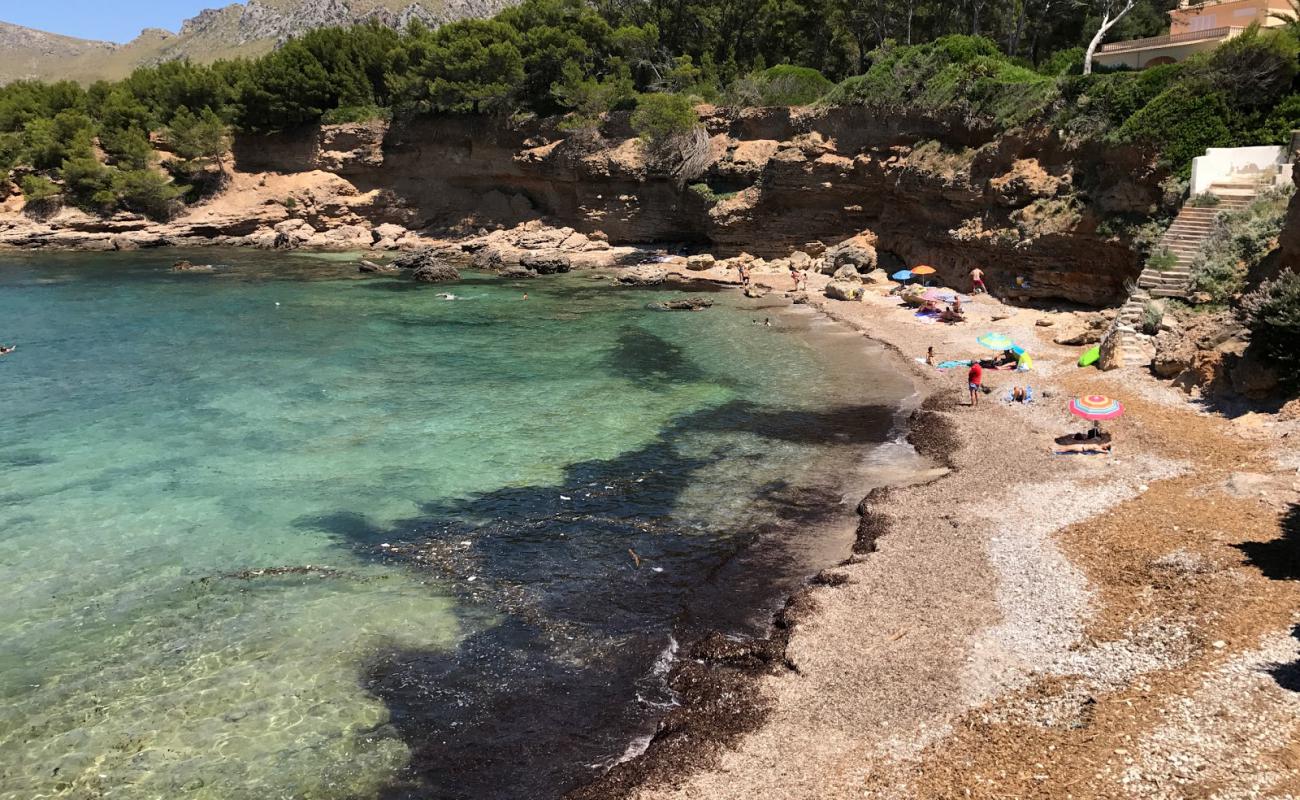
(368,542)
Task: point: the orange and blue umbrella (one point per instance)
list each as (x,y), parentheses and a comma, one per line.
(1096,406)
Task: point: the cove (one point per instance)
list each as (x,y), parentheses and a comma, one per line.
(278,531)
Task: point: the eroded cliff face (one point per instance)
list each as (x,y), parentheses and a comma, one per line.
(1025,208)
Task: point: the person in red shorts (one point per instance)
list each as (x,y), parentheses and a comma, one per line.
(975,382)
(977,281)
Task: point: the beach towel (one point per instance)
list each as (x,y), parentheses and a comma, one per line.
(952,364)
(1029,395)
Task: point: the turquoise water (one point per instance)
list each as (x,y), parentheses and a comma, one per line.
(237,508)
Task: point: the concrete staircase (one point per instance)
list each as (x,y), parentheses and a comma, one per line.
(1186,235)
(1125,330)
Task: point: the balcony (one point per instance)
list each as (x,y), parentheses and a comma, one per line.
(1170,40)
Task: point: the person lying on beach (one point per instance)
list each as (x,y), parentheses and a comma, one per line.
(951,315)
(1090,448)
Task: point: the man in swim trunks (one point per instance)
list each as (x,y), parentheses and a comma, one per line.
(977,281)
(975,382)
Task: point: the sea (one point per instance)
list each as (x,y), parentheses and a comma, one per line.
(279,530)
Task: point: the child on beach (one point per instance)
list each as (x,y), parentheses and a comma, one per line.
(929,356)
(975,382)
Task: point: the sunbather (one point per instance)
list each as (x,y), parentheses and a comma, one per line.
(1086,447)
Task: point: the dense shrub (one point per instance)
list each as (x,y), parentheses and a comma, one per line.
(959,78)
(1239,241)
(1273,315)
(147,192)
(782,85)
(42,195)
(660,117)
(1181,123)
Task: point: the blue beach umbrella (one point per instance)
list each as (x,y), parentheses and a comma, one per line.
(1018,350)
(996,341)
(902,275)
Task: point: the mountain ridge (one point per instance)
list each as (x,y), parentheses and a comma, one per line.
(231,31)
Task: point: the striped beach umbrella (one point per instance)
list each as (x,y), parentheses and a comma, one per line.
(996,341)
(1096,406)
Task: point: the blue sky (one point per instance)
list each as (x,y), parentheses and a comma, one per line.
(110,20)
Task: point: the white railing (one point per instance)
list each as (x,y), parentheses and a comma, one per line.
(1170,39)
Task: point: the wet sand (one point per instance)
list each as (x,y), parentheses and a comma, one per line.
(1029,624)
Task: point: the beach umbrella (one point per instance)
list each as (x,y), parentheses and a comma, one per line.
(1018,350)
(901,275)
(1096,406)
(923,270)
(996,341)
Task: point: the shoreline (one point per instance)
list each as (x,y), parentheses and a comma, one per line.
(751,722)
(917,671)
(716,679)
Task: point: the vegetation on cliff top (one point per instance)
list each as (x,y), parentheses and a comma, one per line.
(570,57)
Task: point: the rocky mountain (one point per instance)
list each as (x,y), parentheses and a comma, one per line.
(239,29)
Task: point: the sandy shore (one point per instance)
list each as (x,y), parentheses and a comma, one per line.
(1030,624)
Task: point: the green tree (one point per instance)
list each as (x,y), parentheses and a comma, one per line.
(147,192)
(470,66)
(90,184)
(201,136)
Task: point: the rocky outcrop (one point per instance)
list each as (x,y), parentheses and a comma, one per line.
(435,273)
(683,304)
(643,275)
(781,184)
(371,268)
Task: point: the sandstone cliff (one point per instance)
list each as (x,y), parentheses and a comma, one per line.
(1025,208)
(1020,207)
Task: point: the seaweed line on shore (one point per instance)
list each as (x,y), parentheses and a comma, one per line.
(716,679)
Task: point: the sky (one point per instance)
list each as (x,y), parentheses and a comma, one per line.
(107,20)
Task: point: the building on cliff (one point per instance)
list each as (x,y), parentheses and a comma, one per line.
(1194,28)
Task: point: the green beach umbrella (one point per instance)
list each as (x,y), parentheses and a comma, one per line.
(996,341)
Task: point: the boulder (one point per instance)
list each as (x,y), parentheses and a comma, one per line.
(1112,350)
(847,273)
(814,248)
(643,275)
(756,290)
(517,271)
(435,273)
(683,304)
(417,258)
(877,276)
(800,260)
(371,268)
(1174,355)
(844,290)
(858,251)
(700,262)
(1252,377)
(546,263)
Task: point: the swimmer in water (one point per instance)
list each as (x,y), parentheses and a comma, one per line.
(448,296)
(7,349)
(525,295)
